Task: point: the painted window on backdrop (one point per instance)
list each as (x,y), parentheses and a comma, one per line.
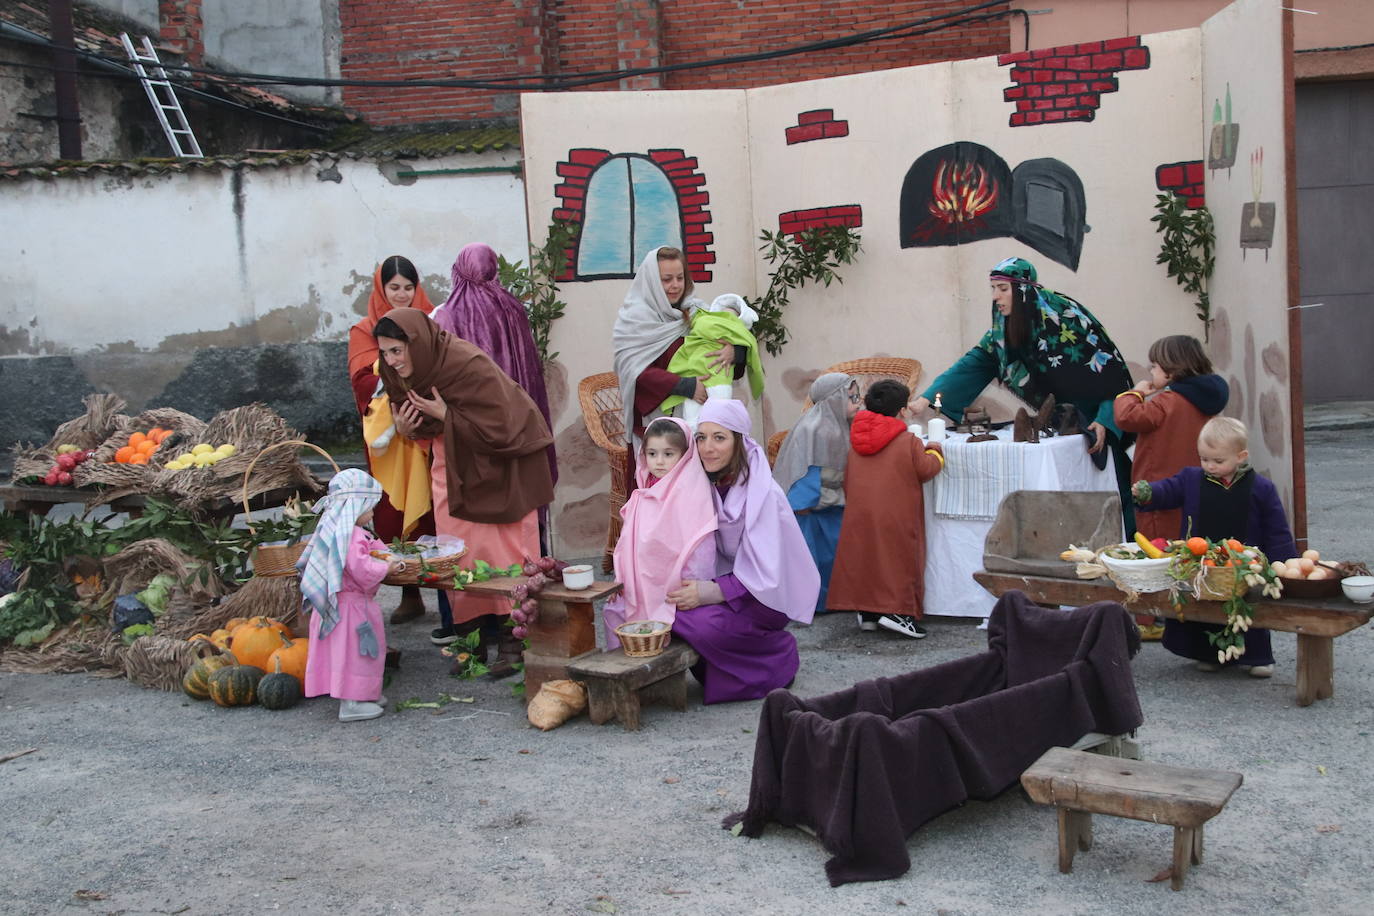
(631,207)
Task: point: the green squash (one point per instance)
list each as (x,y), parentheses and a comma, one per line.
(279,690)
(236,685)
(196,683)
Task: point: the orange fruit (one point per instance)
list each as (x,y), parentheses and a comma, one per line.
(1235,545)
(154,432)
(139,458)
(1198,546)
(1209,562)
(137,439)
(124,454)
(146,447)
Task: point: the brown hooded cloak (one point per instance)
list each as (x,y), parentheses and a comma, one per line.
(494,435)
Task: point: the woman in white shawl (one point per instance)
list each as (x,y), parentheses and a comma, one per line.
(811,464)
(648,331)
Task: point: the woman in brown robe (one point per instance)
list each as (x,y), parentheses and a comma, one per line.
(881,558)
(490,472)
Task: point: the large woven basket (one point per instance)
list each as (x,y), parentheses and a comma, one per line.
(644,645)
(1142,575)
(276,559)
(440,567)
(1219,583)
(603,415)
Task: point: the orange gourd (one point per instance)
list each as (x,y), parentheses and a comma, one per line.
(292,655)
(253,643)
(261,621)
(1197,546)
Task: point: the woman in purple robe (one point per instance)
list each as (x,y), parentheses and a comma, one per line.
(765,577)
(482,312)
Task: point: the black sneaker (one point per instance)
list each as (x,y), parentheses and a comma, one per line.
(868,623)
(443,636)
(907,626)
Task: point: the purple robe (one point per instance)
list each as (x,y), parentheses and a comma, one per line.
(480,311)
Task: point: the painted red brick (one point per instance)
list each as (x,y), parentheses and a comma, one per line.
(1054,89)
(1169,176)
(1111,61)
(567,170)
(1104,85)
(837,129)
(803,134)
(588,156)
(665,156)
(1137,58)
(1014,93)
(816,117)
(1195,172)
(1116,44)
(1054,116)
(1082,62)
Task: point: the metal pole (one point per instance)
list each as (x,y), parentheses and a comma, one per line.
(64,79)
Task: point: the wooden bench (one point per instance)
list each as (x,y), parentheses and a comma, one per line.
(618,685)
(564,630)
(1317,622)
(1080,785)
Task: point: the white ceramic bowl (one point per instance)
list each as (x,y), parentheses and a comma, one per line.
(1359,589)
(577,577)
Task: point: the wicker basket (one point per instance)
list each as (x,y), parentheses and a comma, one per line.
(644,645)
(416,566)
(276,559)
(603,415)
(1142,575)
(1219,583)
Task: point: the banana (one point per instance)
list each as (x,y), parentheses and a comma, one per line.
(1150,550)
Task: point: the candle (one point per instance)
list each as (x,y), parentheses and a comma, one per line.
(915,429)
(936,430)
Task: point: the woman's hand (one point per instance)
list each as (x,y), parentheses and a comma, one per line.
(723,357)
(407,419)
(1099,437)
(433,407)
(694,593)
(919,406)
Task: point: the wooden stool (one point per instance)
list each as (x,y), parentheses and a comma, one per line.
(617,685)
(1081,785)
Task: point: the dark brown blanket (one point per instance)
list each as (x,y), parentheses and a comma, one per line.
(864,767)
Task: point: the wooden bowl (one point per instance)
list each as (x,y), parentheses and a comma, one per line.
(1315,588)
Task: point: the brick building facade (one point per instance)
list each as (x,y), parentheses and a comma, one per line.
(457,39)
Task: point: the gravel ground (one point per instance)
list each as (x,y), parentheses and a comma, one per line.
(139,801)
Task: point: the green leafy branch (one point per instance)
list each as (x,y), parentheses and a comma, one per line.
(537,286)
(1188,249)
(812,256)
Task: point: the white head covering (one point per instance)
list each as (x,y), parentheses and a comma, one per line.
(729,302)
(646,325)
(821,436)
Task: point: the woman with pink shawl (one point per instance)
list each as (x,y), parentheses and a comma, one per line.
(666,538)
(764,577)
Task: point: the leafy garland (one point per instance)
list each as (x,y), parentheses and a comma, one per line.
(1188,249)
(536,285)
(1193,563)
(811,255)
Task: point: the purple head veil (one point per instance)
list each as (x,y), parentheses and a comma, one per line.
(482,312)
(758,539)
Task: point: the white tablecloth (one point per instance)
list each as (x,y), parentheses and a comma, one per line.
(954,547)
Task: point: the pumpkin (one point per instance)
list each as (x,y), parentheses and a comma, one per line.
(236,685)
(279,690)
(254,642)
(234,623)
(220,638)
(196,683)
(261,622)
(291,656)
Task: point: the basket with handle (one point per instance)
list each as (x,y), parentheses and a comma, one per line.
(276,559)
(1140,575)
(429,571)
(1219,583)
(637,643)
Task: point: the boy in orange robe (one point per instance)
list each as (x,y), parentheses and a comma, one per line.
(880,560)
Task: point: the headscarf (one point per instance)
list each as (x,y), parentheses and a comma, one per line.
(362,346)
(758,539)
(732,302)
(1064,341)
(480,310)
(646,325)
(494,436)
(821,436)
(351,493)
(664,525)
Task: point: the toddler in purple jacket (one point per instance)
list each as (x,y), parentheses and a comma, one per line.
(1224,498)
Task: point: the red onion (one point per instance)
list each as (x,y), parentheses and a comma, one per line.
(530,568)
(520,592)
(520,632)
(530,606)
(547,564)
(536,583)
(518,616)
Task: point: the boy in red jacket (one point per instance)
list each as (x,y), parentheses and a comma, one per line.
(880,560)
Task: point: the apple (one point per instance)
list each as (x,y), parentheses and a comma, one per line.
(65,478)
(51,478)
(1161,543)
(66,461)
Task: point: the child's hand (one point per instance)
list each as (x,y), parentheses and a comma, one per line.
(699,395)
(1145,386)
(396,567)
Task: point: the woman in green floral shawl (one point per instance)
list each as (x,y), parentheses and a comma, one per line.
(1042,343)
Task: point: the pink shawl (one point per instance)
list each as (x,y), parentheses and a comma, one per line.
(663,525)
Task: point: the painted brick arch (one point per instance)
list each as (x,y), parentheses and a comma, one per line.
(689,185)
(1064,84)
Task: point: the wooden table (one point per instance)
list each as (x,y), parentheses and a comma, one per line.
(564,630)
(1317,622)
(23,499)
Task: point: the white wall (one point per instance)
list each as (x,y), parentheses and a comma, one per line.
(265,255)
(298,38)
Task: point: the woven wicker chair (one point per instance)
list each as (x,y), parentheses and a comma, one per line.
(866,371)
(602,412)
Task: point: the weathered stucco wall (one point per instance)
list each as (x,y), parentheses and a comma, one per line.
(215,288)
(268,36)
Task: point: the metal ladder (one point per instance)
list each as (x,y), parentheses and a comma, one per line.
(168,110)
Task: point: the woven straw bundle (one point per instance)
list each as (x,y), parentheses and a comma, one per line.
(122,479)
(100,421)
